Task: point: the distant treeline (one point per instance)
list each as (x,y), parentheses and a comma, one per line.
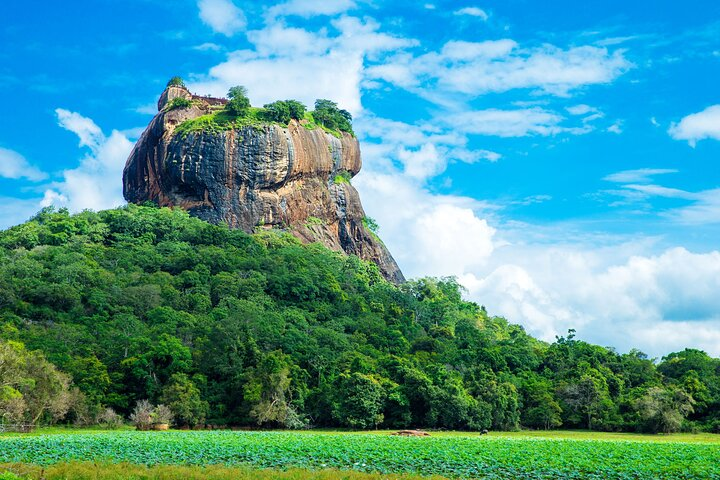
(103,310)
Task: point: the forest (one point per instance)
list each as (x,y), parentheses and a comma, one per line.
(103,311)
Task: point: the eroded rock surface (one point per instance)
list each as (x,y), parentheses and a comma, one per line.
(256,176)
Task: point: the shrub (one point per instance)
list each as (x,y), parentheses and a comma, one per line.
(162,414)
(108,418)
(371,224)
(142,415)
(179,102)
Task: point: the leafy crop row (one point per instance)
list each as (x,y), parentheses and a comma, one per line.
(475,457)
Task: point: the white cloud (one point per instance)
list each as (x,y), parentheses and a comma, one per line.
(641,175)
(511,123)
(311,64)
(704,210)
(698,126)
(15,166)
(428,234)
(701,207)
(97,182)
(473,12)
(581,109)
(611,303)
(477,68)
(423,150)
(89,134)
(310,8)
(223,16)
(615,128)
(207,47)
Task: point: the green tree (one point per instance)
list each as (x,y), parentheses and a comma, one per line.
(328,114)
(588,398)
(239,103)
(31,388)
(176,82)
(268,392)
(184,400)
(663,409)
(359,402)
(282,111)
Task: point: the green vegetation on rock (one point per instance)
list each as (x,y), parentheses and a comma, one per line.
(282,111)
(342,177)
(178,102)
(221,121)
(176,82)
(371,224)
(144,303)
(314,221)
(328,114)
(238,113)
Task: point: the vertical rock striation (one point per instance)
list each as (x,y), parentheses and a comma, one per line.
(256,176)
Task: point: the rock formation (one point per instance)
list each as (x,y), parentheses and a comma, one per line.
(256,176)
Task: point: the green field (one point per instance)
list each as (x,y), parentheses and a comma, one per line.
(523,456)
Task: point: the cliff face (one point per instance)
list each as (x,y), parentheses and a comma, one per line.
(256,176)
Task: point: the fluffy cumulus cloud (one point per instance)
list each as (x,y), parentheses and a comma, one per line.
(613,299)
(95,184)
(698,126)
(223,16)
(15,166)
(311,64)
(428,234)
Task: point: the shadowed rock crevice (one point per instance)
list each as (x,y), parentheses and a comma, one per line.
(265,176)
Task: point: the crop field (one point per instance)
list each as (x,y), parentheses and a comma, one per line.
(465,456)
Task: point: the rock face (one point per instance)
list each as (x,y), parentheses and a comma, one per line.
(256,177)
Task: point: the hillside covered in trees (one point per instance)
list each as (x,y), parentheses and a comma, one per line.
(104,310)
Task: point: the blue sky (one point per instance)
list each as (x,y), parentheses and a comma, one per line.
(560,157)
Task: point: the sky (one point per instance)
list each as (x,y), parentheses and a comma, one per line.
(560,158)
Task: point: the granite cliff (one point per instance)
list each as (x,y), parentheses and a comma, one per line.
(254,176)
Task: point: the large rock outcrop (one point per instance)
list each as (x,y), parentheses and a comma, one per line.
(256,177)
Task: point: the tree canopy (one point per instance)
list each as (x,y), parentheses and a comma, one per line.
(149,304)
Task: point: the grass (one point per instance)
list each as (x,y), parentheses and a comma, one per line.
(127,471)
(220,121)
(554,454)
